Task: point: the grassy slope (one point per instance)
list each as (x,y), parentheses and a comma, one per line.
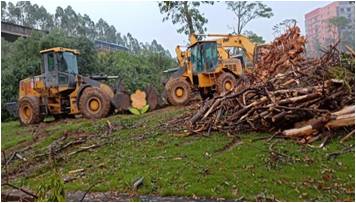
(188,166)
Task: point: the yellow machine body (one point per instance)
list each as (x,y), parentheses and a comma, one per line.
(225,61)
(58,89)
(35,86)
(209,66)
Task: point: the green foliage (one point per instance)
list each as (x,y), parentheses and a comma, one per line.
(51,189)
(346,31)
(144,109)
(345,72)
(185,13)
(134,111)
(246,11)
(339,21)
(136,71)
(254,37)
(137,111)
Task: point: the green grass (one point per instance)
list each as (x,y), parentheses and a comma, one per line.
(188,166)
(13,134)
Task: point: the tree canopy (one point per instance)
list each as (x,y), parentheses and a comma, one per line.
(254,37)
(185,13)
(245,12)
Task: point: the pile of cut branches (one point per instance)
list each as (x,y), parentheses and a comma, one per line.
(283,53)
(295,97)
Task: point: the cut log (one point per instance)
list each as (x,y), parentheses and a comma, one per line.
(345,110)
(138,99)
(152,97)
(121,101)
(299,132)
(342,120)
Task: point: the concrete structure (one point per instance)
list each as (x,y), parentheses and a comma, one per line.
(11,32)
(319,31)
(107,46)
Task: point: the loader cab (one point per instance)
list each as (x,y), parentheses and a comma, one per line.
(60,67)
(204,57)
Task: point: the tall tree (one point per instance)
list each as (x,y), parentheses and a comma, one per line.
(119,39)
(245,12)
(44,19)
(345,31)
(14,14)
(59,18)
(3,10)
(101,26)
(185,13)
(133,45)
(72,21)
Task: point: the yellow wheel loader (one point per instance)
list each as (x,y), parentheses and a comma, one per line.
(209,66)
(60,91)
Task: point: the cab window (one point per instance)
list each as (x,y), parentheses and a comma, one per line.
(50,61)
(68,63)
(204,57)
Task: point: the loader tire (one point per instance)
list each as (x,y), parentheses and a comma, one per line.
(178,92)
(94,103)
(29,110)
(226,82)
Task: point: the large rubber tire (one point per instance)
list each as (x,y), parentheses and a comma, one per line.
(226,82)
(178,91)
(29,110)
(94,103)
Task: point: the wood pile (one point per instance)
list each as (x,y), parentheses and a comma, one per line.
(295,97)
(284,53)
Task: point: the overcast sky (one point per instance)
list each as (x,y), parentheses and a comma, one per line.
(144,21)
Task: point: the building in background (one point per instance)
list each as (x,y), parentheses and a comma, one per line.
(326,25)
(107,46)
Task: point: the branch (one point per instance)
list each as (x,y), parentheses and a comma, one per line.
(21,189)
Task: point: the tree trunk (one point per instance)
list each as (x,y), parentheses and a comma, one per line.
(188,17)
